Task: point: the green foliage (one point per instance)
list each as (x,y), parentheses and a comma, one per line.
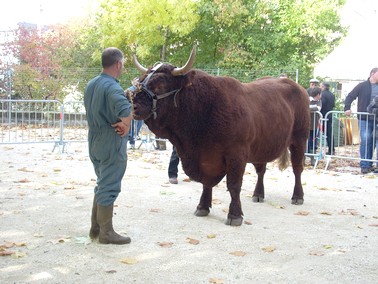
(280,34)
(250,38)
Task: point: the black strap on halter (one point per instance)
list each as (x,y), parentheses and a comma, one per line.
(153,96)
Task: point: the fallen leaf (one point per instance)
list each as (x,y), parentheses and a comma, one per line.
(7,245)
(317,253)
(129,260)
(70,187)
(155,210)
(370,176)
(216,201)
(269,249)
(327,246)
(18,254)
(325,213)
(192,241)
(60,240)
(373,225)
(57,170)
(238,253)
(216,281)
(25,180)
(165,244)
(111,271)
(302,213)
(6,252)
(211,236)
(24,169)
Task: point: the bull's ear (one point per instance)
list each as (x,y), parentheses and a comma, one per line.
(189,77)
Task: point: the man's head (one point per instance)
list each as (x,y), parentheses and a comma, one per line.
(314,83)
(374,76)
(325,86)
(315,92)
(112,61)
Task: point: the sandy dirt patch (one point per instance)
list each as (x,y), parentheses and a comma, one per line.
(46,198)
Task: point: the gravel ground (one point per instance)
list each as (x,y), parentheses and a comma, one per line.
(46,198)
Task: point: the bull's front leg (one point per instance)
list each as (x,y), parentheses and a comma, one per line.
(235,213)
(203,208)
(235,173)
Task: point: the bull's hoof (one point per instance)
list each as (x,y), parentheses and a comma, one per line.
(259,199)
(201,212)
(234,221)
(297,201)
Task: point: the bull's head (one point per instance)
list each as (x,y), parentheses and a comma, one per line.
(158,82)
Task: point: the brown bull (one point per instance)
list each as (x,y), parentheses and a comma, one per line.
(218,124)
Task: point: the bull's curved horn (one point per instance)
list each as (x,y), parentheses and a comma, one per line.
(188,65)
(138,65)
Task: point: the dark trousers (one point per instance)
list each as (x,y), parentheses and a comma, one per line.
(330,138)
(173,164)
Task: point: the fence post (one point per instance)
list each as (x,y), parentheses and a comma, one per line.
(60,143)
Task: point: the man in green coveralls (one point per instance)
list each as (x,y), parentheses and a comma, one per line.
(109,117)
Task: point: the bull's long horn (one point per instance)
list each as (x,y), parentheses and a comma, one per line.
(138,65)
(188,65)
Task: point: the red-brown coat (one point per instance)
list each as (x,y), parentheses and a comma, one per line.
(218,124)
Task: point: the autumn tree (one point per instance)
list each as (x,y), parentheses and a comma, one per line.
(36,73)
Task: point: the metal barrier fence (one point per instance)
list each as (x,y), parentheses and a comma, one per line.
(50,121)
(346,137)
(346,132)
(25,121)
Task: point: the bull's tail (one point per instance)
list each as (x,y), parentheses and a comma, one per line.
(283,161)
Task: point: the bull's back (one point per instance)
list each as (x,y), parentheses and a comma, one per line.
(276,110)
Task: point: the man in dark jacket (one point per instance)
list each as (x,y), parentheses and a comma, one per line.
(365,92)
(328,104)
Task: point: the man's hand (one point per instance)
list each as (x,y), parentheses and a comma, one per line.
(347,112)
(122,127)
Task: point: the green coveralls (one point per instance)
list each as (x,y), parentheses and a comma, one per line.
(105,103)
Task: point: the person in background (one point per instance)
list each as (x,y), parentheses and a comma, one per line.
(373,109)
(313,83)
(136,125)
(133,134)
(365,91)
(328,104)
(108,113)
(173,166)
(315,105)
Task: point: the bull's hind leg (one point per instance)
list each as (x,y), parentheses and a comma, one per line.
(297,154)
(203,208)
(259,194)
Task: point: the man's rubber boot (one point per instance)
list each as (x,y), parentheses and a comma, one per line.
(107,234)
(95,227)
